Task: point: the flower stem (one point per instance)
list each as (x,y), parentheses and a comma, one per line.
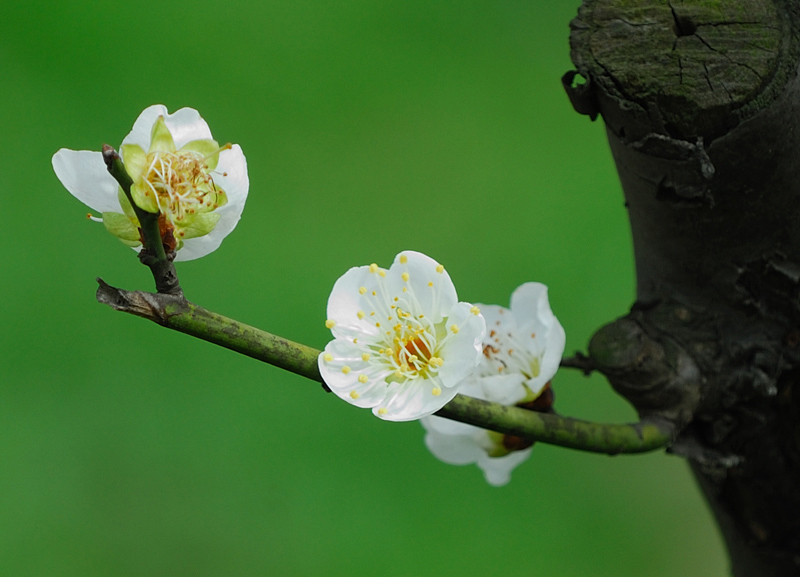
(175,312)
(152,254)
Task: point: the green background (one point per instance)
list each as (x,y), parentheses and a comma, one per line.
(369,128)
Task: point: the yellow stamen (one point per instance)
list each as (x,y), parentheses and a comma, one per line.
(363,379)
(330,323)
(345,369)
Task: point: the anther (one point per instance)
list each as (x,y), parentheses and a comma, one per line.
(330,323)
(403,259)
(345,369)
(328,357)
(363,379)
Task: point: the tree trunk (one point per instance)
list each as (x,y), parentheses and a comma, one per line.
(701,101)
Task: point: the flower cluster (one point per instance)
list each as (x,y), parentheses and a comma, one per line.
(521,352)
(402,341)
(197,187)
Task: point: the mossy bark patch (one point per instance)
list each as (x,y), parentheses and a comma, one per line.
(694,61)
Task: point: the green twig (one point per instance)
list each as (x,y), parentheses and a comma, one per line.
(152,253)
(175,312)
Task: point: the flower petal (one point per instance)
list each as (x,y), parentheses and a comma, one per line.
(448,426)
(346,301)
(539,329)
(452,449)
(230,176)
(414,400)
(83,173)
(184,125)
(434,291)
(461,351)
(497,470)
(143,127)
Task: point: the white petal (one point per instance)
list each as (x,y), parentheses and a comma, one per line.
(497,470)
(462,351)
(539,329)
(453,449)
(83,173)
(414,400)
(143,127)
(235,181)
(448,426)
(529,302)
(434,301)
(346,301)
(498,319)
(505,389)
(186,125)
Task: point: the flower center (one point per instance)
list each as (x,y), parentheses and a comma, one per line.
(183,185)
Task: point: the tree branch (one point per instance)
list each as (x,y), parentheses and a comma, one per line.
(177,313)
(152,254)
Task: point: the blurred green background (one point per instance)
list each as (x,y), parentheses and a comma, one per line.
(369,128)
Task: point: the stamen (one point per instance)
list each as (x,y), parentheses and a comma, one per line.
(217,151)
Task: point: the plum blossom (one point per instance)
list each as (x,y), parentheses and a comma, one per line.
(402,342)
(198,187)
(522,351)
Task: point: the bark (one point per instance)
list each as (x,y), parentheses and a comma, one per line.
(701,101)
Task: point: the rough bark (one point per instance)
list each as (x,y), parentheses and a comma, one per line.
(701,101)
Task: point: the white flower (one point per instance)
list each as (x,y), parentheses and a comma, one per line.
(522,351)
(403,343)
(177,169)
